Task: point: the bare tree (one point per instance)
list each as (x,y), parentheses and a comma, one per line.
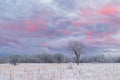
(14,60)
(77,48)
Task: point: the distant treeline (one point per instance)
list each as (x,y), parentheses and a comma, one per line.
(36,58)
(56,58)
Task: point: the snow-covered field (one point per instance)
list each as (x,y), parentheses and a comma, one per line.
(60,72)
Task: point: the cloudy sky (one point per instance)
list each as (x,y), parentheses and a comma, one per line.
(37,26)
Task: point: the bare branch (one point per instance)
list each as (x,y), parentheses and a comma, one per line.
(77,48)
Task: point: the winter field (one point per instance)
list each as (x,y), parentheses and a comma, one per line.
(67,71)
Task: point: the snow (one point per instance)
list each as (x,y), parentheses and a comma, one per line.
(60,72)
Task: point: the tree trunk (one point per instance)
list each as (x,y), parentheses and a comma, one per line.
(78,60)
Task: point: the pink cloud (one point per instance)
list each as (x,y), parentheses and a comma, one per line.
(90,34)
(42,22)
(35,25)
(109,10)
(5,41)
(11,25)
(68,32)
(81,23)
(105,38)
(30,26)
(76,23)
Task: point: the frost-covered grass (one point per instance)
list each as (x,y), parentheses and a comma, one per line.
(60,72)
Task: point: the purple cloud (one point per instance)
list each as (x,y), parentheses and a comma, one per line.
(36,26)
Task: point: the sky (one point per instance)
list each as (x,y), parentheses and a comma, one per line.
(46,26)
